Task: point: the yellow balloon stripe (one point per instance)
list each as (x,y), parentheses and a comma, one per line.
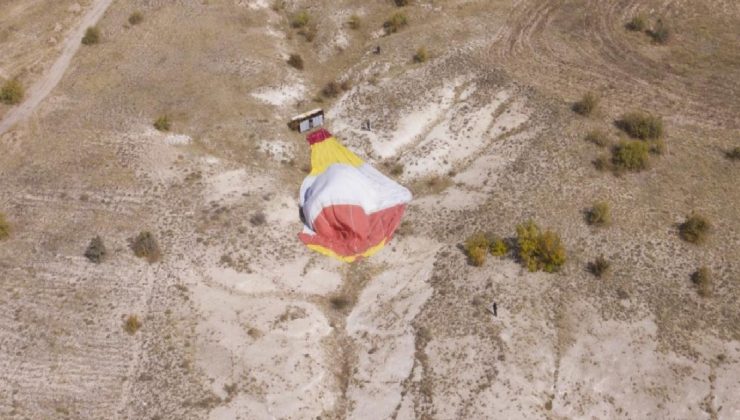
(329,152)
(351,258)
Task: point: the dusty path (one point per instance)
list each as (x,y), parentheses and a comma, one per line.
(38,92)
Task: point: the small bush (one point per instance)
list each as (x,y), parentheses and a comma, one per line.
(599,214)
(401,3)
(661,34)
(637,24)
(331,90)
(4,227)
(136,18)
(397,169)
(421,55)
(354,22)
(656,147)
(733,154)
(258,219)
(146,246)
(132,324)
(162,123)
(498,247)
(300,19)
(630,155)
(395,23)
(587,104)
(96,251)
(92,36)
(476,248)
(694,229)
(599,266)
(296,61)
(641,125)
(598,138)
(12,92)
(702,279)
(539,250)
(602,163)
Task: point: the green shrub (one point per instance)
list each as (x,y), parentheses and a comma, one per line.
(733,154)
(132,324)
(539,250)
(598,138)
(162,123)
(92,36)
(136,18)
(421,55)
(702,279)
(498,247)
(476,248)
(694,229)
(296,61)
(300,19)
(599,267)
(96,251)
(661,34)
(630,155)
(637,24)
(395,23)
(641,125)
(354,22)
(146,246)
(4,227)
(599,214)
(12,92)
(587,104)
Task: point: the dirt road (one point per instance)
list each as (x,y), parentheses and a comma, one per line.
(38,92)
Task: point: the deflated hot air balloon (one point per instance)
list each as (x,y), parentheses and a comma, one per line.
(349,209)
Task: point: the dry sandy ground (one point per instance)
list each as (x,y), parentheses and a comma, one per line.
(240,321)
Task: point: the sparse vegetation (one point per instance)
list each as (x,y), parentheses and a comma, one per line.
(395,23)
(421,55)
(300,19)
(637,23)
(598,138)
(339,302)
(12,92)
(331,90)
(309,32)
(641,125)
(599,214)
(694,229)
(96,251)
(401,3)
(733,154)
(296,61)
(146,246)
(476,248)
(135,18)
(602,163)
(162,123)
(92,36)
(702,279)
(397,169)
(630,155)
(4,227)
(661,33)
(599,267)
(498,246)
(539,250)
(258,219)
(587,105)
(132,324)
(354,22)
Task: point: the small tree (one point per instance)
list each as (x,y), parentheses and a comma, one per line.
(96,251)
(694,229)
(4,227)
(12,92)
(587,105)
(539,250)
(702,279)
(92,36)
(146,246)
(599,214)
(296,61)
(162,123)
(136,18)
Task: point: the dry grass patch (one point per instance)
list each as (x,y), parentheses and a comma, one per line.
(132,324)
(599,267)
(695,229)
(661,33)
(12,92)
(637,23)
(162,123)
(539,250)
(733,154)
(354,22)
(136,18)
(587,105)
(300,19)
(146,246)
(4,227)
(599,214)
(598,138)
(421,55)
(395,23)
